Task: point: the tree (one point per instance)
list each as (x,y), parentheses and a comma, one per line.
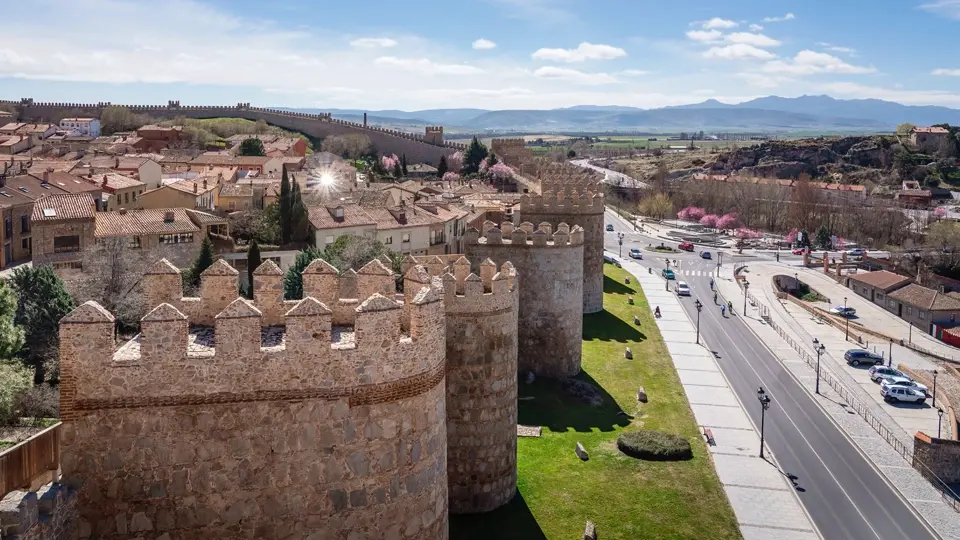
(15,380)
(397,170)
(473,157)
(354,145)
(403,165)
(710,221)
(253,262)
(500,171)
(346,252)
(11,336)
(657,206)
(823,238)
(932,181)
(905,128)
(946,168)
(442,166)
(42,300)
(299,217)
(451,177)
(112,276)
(252,147)
(455,161)
(492,160)
(571,153)
(293,279)
(203,261)
(285,206)
(691,213)
(728,221)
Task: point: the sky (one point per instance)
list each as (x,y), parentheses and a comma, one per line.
(490,54)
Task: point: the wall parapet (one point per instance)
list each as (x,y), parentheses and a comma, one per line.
(525,234)
(563,202)
(49,513)
(464,292)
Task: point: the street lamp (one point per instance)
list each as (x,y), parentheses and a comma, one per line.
(699,307)
(764,404)
(620,236)
(820,348)
(934,388)
(939,422)
(796,283)
(890,356)
(745,287)
(847,317)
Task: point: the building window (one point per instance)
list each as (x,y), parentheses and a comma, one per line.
(134,196)
(879,296)
(922,315)
(66,244)
(24,224)
(891,303)
(26,244)
(329,240)
(126,198)
(7,228)
(182,238)
(405,237)
(231,205)
(388,240)
(134,242)
(909,310)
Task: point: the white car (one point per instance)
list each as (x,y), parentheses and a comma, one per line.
(902,393)
(682,288)
(905,382)
(879,372)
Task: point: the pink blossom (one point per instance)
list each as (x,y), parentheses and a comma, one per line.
(451,177)
(792,236)
(728,221)
(840,243)
(940,212)
(455,162)
(499,171)
(389,162)
(691,213)
(710,220)
(748,234)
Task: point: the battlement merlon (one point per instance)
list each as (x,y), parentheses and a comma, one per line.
(563,202)
(526,235)
(495,289)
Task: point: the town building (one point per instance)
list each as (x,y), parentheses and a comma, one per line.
(258,164)
(84,126)
(154,138)
(874,286)
(928,138)
(119,191)
(63,226)
(924,308)
(199,194)
(14,144)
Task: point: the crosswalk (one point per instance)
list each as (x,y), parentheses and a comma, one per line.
(692,273)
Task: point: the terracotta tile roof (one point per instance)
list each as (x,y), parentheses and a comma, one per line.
(115,181)
(64,206)
(401,217)
(914,193)
(204,218)
(929,129)
(881,279)
(193,187)
(243,161)
(321,216)
(924,298)
(236,190)
(422,167)
(143,222)
(954,294)
(11,127)
(67,182)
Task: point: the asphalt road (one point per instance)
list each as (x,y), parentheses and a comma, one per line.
(846,497)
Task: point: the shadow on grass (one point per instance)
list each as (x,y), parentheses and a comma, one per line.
(513,521)
(612,286)
(558,411)
(606,326)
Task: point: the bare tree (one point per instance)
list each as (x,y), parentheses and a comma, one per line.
(352,145)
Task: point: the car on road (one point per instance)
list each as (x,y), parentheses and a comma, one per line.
(706,255)
(856,252)
(635,254)
(843,311)
(686,246)
(609,259)
(877,373)
(609,228)
(905,382)
(900,393)
(682,289)
(668,273)
(855,357)
(798,251)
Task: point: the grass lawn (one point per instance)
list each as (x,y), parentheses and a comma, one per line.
(627,498)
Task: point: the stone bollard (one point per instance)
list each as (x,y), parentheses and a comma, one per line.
(641,395)
(590,532)
(581,452)
(630,300)
(628,354)
(636,320)
(626,280)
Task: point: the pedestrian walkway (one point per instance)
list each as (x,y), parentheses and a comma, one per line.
(899,472)
(763,501)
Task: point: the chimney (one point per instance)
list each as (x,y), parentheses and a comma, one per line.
(364,119)
(168,217)
(194,187)
(116,163)
(338,213)
(46,175)
(204,184)
(104,180)
(123,211)
(402,217)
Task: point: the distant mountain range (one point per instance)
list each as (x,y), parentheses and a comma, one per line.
(766,114)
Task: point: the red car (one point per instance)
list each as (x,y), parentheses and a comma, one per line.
(798,251)
(686,246)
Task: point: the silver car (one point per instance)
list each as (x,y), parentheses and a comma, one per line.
(879,372)
(682,289)
(904,382)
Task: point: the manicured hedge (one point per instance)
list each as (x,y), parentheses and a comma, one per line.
(654,445)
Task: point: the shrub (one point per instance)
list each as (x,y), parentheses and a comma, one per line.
(40,401)
(582,391)
(654,445)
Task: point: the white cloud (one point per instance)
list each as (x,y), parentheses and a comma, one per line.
(718,23)
(370,43)
(908,97)
(424,65)
(808,62)
(787,17)
(764,80)
(757,40)
(756,27)
(738,51)
(705,36)
(483,44)
(633,72)
(940,72)
(947,8)
(573,75)
(584,51)
(838,49)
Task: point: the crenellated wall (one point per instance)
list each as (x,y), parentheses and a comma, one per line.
(550,267)
(334,422)
(481,315)
(584,209)
(49,513)
(419,148)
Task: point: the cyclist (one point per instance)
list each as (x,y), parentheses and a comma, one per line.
(711,284)
(714,298)
(723,310)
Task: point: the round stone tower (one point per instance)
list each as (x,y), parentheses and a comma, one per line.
(549,266)
(583,209)
(481,316)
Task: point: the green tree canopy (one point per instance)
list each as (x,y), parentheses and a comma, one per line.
(42,300)
(11,336)
(299,217)
(252,147)
(474,155)
(823,238)
(442,166)
(346,252)
(293,280)
(403,165)
(203,261)
(15,380)
(253,261)
(285,203)
(905,128)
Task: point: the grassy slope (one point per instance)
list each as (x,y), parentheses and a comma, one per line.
(626,498)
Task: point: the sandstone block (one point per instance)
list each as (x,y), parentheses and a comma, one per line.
(581,452)
(641,395)
(630,300)
(590,531)
(636,320)
(628,354)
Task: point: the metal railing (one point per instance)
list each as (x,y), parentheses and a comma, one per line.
(20,465)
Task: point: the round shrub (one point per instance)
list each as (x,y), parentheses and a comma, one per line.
(654,445)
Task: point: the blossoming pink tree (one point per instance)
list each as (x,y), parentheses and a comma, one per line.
(451,177)
(940,212)
(841,243)
(499,171)
(691,213)
(455,162)
(748,234)
(389,162)
(791,236)
(710,220)
(728,221)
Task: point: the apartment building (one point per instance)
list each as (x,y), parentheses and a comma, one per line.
(89,127)
(199,194)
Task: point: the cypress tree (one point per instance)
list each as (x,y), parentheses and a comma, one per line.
(299,217)
(403,164)
(285,207)
(397,170)
(474,155)
(203,261)
(442,166)
(253,262)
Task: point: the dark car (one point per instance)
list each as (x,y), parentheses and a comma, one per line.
(668,274)
(705,255)
(609,228)
(855,357)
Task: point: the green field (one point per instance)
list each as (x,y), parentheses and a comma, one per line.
(628,499)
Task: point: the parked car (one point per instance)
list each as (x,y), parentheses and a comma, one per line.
(843,311)
(855,357)
(682,289)
(609,228)
(609,259)
(705,255)
(905,382)
(879,372)
(901,393)
(636,254)
(686,246)
(798,251)
(668,273)
(856,252)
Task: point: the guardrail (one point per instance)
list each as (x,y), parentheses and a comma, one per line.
(23,463)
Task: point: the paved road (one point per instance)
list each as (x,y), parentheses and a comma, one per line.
(846,497)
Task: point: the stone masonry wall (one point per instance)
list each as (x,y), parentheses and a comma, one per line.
(550,270)
(481,381)
(49,513)
(582,209)
(328,431)
(941,456)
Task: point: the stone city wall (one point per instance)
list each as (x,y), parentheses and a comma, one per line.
(334,423)
(584,209)
(47,514)
(939,456)
(481,315)
(513,152)
(550,268)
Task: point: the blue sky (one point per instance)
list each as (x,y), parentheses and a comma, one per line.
(510,54)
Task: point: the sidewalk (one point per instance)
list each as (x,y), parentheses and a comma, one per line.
(898,471)
(762,499)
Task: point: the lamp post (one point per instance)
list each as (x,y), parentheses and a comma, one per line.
(764,404)
(940,421)
(745,287)
(620,236)
(890,356)
(699,307)
(846,316)
(819,348)
(796,283)
(934,388)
